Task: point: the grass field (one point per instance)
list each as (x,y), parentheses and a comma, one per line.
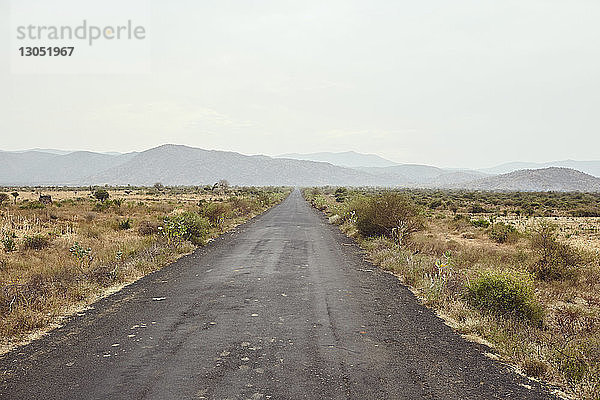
(520,271)
(58,257)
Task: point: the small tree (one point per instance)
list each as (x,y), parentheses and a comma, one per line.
(101,194)
(15,195)
(3,198)
(223,184)
(159,186)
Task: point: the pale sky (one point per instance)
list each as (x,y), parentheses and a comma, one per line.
(447,83)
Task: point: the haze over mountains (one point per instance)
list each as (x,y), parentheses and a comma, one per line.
(183,165)
(350,159)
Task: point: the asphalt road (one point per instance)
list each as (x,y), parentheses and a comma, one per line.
(284,307)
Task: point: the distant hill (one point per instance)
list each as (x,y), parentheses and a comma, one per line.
(412,174)
(348,159)
(589,167)
(43,168)
(456,178)
(538,180)
(182,165)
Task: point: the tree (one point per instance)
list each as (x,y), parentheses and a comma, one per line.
(101,194)
(223,184)
(15,195)
(3,198)
(159,186)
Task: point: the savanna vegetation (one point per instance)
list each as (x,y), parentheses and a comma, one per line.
(62,248)
(519,270)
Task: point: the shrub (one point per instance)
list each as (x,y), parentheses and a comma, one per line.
(32,205)
(102,206)
(216,212)
(340,194)
(125,224)
(3,198)
(503,233)
(586,212)
(504,293)
(8,241)
(480,223)
(477,209)
(390,214)
(265,199)
(147,228)
(319,202)
(241,205)
(117,203)
(101,195)
(435,204)
(36,242)
(187,226)
(553,260)
(83,255)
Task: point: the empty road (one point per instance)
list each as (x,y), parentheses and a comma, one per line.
(284,307)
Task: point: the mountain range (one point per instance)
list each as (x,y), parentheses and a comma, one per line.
(183,165)
(350,159)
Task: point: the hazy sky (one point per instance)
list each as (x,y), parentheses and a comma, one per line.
(449,83)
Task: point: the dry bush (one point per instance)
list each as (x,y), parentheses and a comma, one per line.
(147,228)
(36,242)
(390,214)
(554,260)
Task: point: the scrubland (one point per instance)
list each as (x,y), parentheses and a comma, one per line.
(518,271)
(55,258)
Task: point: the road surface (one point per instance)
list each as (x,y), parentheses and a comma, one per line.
(285,307)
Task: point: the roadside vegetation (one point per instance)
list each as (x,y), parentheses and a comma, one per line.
(61,249)
(520,270)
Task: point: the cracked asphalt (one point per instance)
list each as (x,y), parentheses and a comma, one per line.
(284,307)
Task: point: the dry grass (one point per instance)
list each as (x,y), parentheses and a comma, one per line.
(563,350)
(88,250)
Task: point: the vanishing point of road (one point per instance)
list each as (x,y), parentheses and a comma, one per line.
(283,307)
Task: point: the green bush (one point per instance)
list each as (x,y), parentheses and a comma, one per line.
(187,226)
(480,223)
(36,242)
(125,224)
(341,194)
(8,241)
(32,205)
(504,293)
(503,233)
(102,206)
(319,202)
(101,194)
(389,214)
(477,209)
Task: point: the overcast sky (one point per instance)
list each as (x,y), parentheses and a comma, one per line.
(448,83)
